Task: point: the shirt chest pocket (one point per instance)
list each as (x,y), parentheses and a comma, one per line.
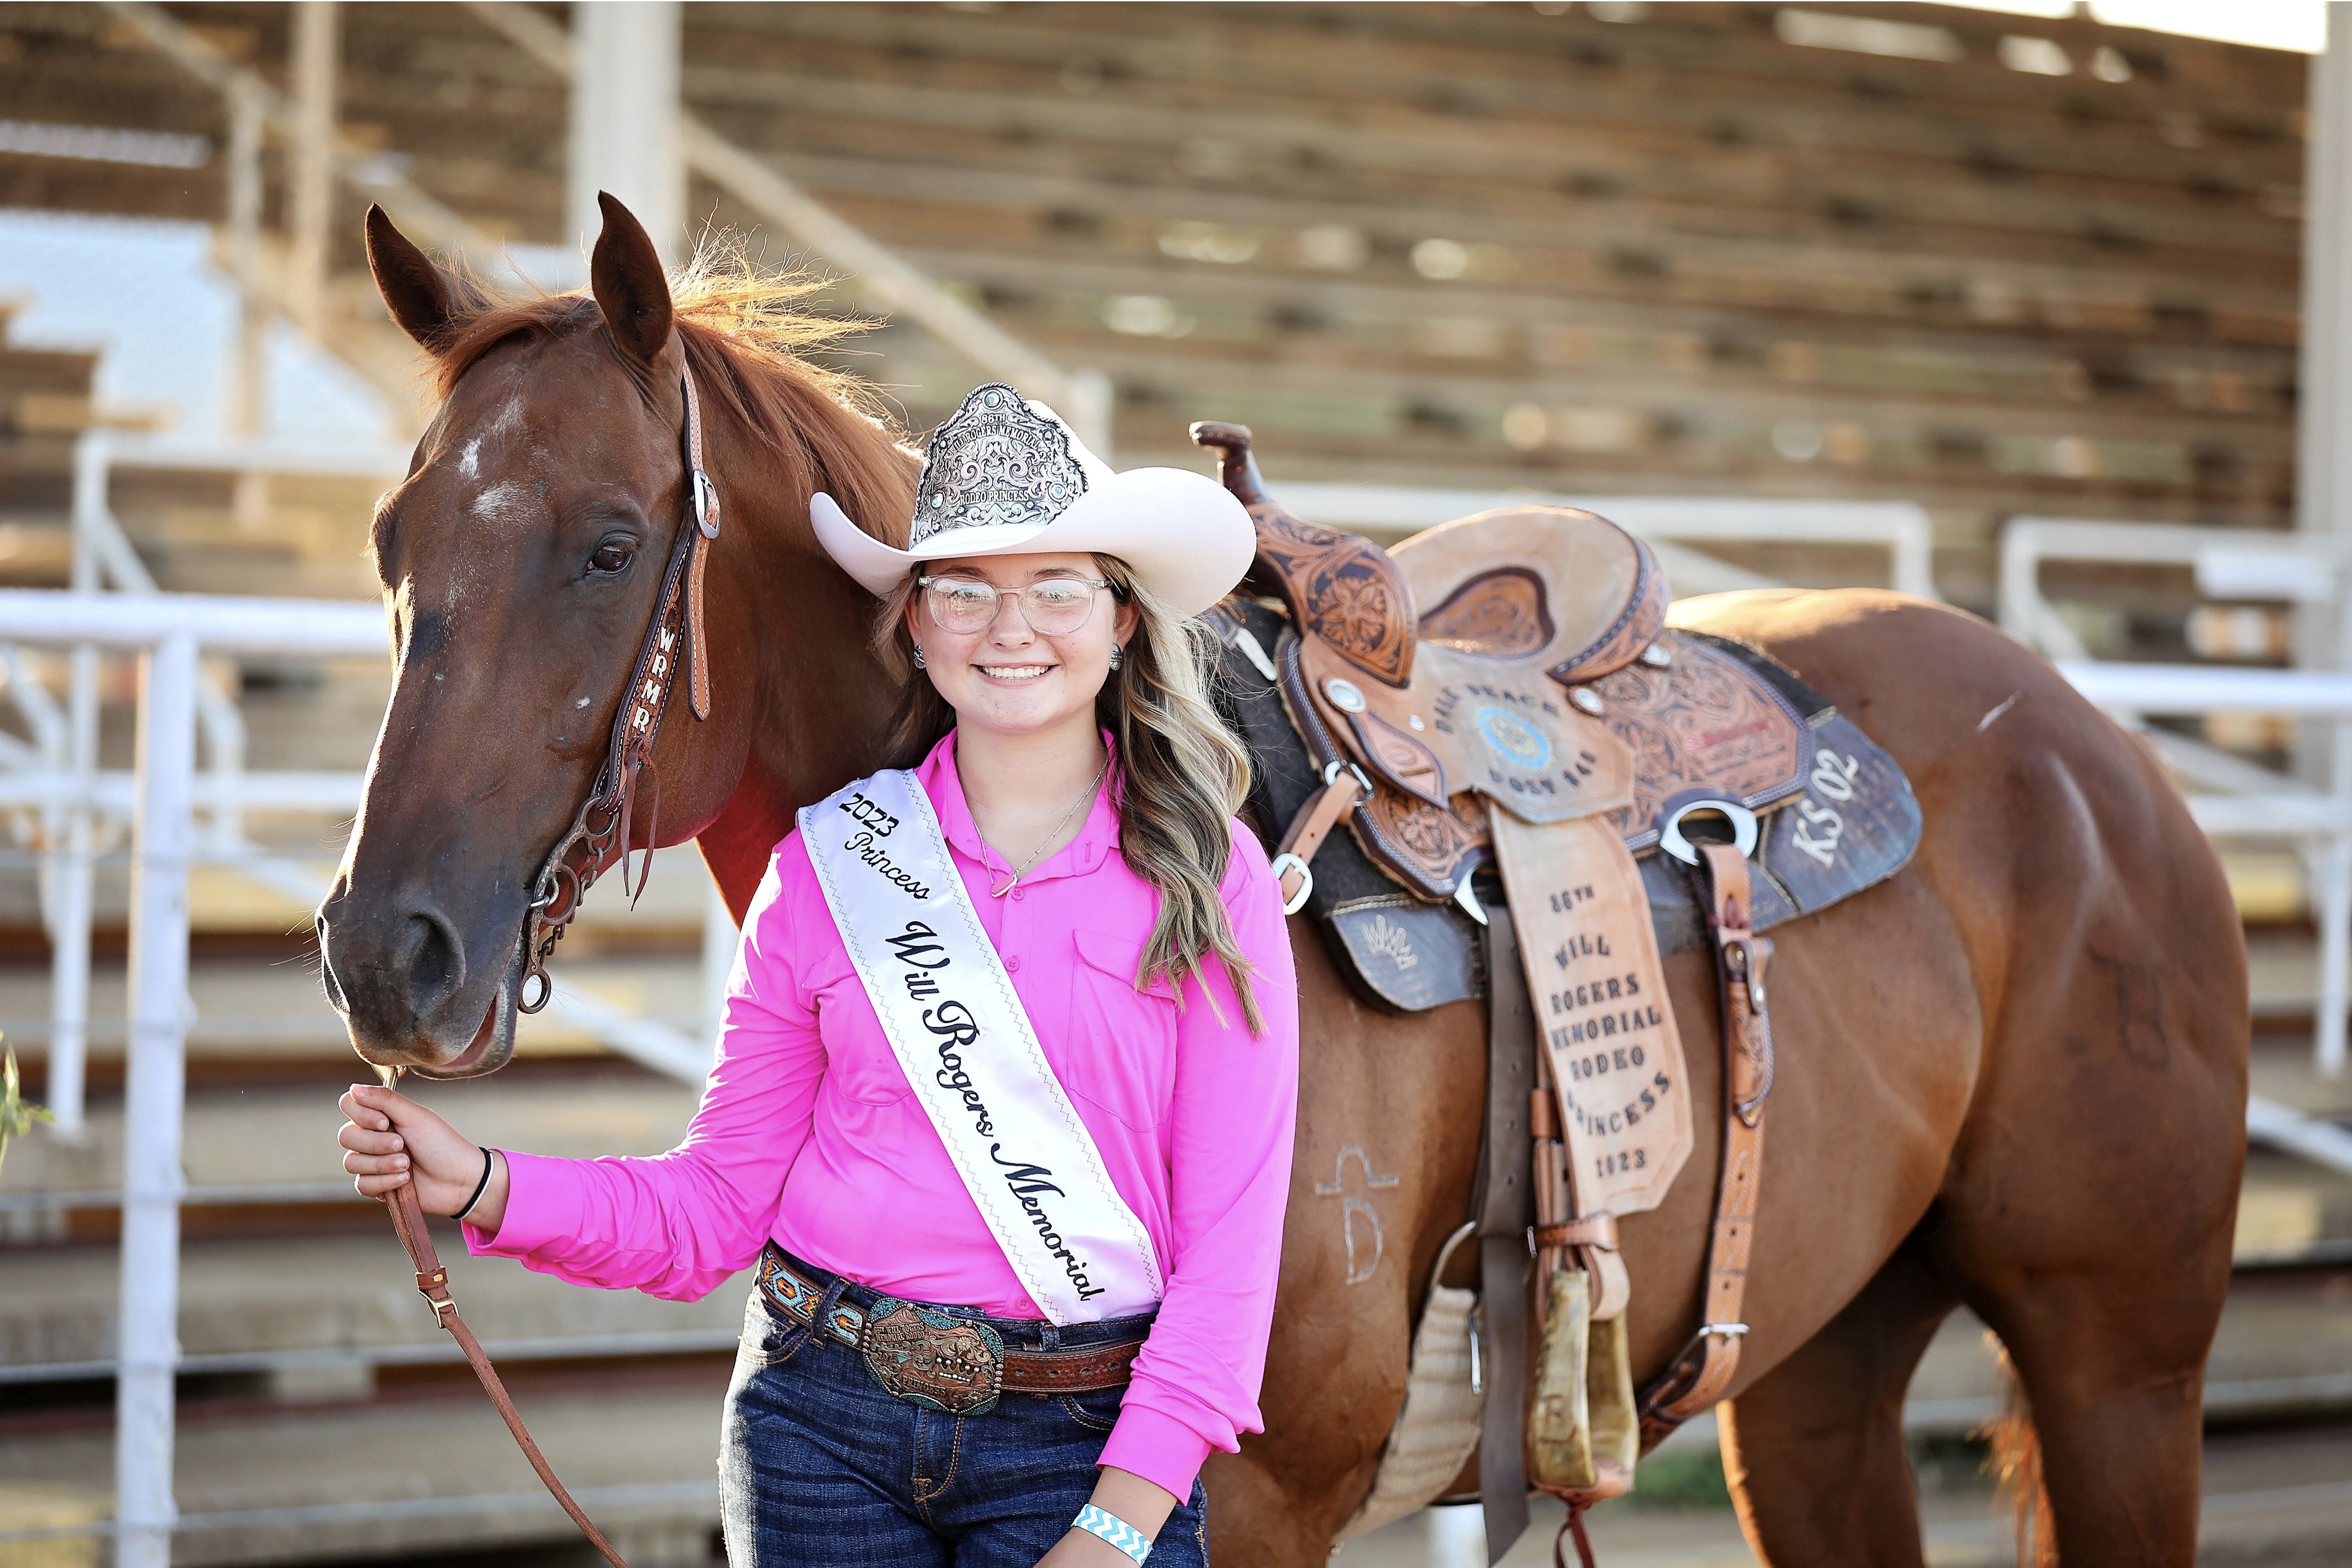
(1118,1049)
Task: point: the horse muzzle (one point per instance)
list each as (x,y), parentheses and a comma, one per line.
(404,1002)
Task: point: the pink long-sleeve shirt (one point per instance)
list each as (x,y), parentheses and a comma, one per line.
(809,1133)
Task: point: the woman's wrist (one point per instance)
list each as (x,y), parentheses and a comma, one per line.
(1143,1506)
(489,1210)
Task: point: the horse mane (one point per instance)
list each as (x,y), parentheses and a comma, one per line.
(746,336)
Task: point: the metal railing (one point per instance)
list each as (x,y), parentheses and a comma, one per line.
(168,634)
(2234,798)
(258,109)
(165,632)
(1899,528)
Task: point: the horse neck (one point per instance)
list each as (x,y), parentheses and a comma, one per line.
(819,700)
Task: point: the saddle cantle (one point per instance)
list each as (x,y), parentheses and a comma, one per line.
(1469,698)
(1571,600)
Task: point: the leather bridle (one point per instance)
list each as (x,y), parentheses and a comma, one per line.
(674,639)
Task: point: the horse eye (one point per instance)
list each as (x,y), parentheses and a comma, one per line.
(612,555)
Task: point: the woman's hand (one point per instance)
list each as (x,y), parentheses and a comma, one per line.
(391,1138)
(1079,1548)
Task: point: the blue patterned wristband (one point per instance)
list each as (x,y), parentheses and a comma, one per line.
(1115,1530)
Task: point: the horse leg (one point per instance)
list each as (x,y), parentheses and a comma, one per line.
(2113,1369)
(2088,1215)
(1814,1449)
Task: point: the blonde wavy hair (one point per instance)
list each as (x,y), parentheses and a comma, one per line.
(1182,775)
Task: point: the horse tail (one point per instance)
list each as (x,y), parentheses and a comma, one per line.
(2015,1464)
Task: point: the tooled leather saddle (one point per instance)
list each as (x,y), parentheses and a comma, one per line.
(1544,624)
(1540,692)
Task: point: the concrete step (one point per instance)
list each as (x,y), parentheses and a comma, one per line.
(435,1469)
(2278,1498)
(395,1480)
(307,1306)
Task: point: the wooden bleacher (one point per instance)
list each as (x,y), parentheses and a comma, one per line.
(1464,245)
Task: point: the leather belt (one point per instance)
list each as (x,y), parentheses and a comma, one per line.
(934,1358)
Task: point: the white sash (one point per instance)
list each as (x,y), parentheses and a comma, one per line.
(967,1045)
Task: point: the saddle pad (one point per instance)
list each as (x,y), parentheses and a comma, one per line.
(1855,825)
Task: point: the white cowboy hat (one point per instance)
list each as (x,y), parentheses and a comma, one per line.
(1007,476)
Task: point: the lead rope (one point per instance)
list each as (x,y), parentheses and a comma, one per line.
(1574,1525)
(433,1284)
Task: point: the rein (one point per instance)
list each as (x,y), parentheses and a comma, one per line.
(673,638)
(433,1284)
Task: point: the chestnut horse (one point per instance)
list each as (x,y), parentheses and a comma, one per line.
(2012,1076)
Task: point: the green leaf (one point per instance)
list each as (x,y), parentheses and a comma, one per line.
(17,1114)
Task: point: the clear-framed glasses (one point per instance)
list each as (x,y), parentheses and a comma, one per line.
(1054,606)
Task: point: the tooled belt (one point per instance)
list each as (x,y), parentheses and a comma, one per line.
(935,1360)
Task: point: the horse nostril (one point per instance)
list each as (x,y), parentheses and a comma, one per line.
(435,962)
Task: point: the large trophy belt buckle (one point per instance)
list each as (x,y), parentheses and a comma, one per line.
(932,1360)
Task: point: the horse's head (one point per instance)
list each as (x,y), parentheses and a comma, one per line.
(522,559)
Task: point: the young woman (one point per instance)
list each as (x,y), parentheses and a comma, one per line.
(1004,1102)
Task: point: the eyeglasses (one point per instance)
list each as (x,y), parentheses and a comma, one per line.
(1054,606)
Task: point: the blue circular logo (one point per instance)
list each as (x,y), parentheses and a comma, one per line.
(1513,737)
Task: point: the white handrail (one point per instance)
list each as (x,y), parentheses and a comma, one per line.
(168,632)
(1901,529)
(2300,569)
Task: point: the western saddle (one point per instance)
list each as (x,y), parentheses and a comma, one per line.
(1539,680)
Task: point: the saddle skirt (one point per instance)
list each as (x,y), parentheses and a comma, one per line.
(1541,680)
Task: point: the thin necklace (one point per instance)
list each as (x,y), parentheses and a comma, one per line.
(1054,832)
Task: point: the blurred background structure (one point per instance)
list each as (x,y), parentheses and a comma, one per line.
(2039,312)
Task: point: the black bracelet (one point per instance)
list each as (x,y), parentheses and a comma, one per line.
(479,1188)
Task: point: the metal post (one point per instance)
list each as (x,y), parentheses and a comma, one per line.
(247,395)
(314,50)
(2324,469)
(70,871)
(624,121)
(2333,866)
(151,1177)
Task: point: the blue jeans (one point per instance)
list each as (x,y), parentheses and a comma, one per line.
(821,1468)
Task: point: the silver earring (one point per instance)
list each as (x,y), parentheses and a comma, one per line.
(1117,656)
(918,657)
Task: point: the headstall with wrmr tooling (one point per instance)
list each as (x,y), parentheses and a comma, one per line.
(674,639)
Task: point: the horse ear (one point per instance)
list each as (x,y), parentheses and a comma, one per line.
(423,297)
(631,289)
